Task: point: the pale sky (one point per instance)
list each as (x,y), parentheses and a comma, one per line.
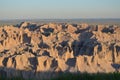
(62,9)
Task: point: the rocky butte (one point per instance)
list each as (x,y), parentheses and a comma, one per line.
(42,51)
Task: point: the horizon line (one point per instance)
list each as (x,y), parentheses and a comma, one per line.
(55,18)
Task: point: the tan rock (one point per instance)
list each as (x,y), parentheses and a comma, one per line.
(62,65)
(71,29)
(34,49)
(23,62)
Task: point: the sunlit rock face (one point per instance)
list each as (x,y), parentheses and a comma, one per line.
(31,50)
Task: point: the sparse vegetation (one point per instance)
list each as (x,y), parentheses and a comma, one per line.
(86,76)
(83,76)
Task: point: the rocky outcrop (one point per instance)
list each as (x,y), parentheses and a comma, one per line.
(39,50)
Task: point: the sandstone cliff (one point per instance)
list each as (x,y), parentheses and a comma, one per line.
(63,47)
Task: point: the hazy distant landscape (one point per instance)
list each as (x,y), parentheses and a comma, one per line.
(74,21)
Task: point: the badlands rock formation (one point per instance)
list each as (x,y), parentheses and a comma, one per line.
(34,51)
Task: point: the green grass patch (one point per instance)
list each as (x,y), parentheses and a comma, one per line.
(86,76)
